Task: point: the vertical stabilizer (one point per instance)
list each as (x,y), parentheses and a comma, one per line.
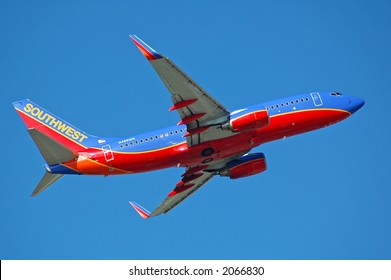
(49,130)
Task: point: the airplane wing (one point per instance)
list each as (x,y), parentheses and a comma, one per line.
(187,186)
(198,110)
(192,180)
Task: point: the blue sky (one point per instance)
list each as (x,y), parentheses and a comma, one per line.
(325,195)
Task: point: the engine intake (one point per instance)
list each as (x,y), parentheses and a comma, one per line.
(247,165)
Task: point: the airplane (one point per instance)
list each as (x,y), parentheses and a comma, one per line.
(209,140)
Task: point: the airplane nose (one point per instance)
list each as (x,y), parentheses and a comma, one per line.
(355,104)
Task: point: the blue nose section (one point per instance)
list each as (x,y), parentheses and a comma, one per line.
(355,104)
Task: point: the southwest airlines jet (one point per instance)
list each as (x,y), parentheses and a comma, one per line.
(209,140)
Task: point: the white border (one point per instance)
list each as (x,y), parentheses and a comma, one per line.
(118,270)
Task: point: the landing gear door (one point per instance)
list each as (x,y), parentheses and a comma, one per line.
(317,99)
(107,153)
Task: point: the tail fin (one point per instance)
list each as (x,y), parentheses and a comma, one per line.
(57,140)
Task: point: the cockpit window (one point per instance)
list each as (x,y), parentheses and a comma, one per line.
(335,94)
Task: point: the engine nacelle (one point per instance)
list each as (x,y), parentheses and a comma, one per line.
(249,121)
(247,165)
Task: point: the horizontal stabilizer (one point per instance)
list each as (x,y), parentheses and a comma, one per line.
(45,182)
(52,151)
(144,213)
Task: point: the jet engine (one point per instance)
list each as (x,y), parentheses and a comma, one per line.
(246,122)
(247,165)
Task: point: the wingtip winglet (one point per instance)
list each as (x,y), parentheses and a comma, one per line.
(146,50)
(144,213)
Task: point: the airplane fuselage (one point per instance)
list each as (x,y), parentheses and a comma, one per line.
(167,147)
